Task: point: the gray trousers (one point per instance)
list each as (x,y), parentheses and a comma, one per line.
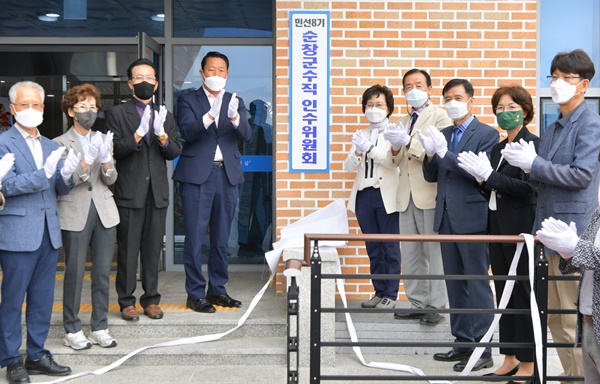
(591,354)
(101,242)
(419,258)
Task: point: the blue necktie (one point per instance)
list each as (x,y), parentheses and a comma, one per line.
(455,140)
(413,119)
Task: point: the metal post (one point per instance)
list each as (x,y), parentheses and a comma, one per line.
(315,315)
(541,294)
(293,336)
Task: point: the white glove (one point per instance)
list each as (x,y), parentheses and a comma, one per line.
(6,164)
(557,235)
(234,103)
(477,166)
(216,106)
(106,148)
(71,162)
(93,149)
(439,140)
(52,161)
(427,143)
(521,156)
(396,135)
(360,142)
(145,123)
(159,121)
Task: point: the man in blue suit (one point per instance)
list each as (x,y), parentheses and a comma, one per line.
(30,234)
(461,209)
(565,174)
(211,122)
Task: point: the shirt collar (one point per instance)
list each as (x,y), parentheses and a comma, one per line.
(565,119)
(25,134)
(141,105)
(421,108)
(87,137)
(465,124)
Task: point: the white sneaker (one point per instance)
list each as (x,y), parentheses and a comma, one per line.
(371,303)
(77,341)
(103,338)
(386,303)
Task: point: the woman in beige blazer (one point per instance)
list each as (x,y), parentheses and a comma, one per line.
(373,196)
(88,218)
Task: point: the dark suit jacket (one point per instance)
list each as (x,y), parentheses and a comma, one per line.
(140,165)
(198,153)
(30,197)
(456,189)
(515,198)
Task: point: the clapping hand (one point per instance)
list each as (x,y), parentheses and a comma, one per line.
(159,121)
(106,148)
(360,142)
(520,155)
(477,166)
(144,127)
(439,140)
(52,161)
(216,105)
(557,235)
(6,164)
(232,110)
(93,149)
(396,135)
(71,162)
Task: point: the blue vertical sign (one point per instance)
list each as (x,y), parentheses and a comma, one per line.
(309,91)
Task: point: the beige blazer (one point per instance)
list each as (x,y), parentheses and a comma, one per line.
(386,171)
(89,186)
(410,160)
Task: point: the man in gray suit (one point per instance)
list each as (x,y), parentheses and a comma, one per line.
(565,173)
(461,209)
(30,235)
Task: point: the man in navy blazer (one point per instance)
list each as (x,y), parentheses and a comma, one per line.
(30,234)
(461,209)
(565,174)
(211,122)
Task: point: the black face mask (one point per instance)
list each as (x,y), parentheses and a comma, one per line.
(143,90)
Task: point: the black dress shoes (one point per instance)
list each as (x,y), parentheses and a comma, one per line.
(452,356)
(224,301)
(512,372)
(483,362)
(408,315)
(16,373)
(46,366)
(201,305)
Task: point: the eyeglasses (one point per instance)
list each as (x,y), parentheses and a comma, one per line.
(511,108)
(23,106)
(150,79)
(377,105)
(553,78)
(85,107)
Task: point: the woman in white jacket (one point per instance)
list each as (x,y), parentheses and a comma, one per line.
(373,196)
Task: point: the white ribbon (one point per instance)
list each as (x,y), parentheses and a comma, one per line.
(535,316)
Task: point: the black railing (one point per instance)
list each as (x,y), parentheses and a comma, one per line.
(314,261)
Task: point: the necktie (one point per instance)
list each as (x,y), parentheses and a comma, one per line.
(455,139)
(413,119)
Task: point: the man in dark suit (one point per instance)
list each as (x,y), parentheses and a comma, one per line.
(209,172)
(461,209)
(145,137)
(30,234)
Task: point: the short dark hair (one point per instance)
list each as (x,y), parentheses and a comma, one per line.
(576,61)
(456,82)
(417,70)
(377,90)
(139,62)
(80,93)
(519,96)
(216,54)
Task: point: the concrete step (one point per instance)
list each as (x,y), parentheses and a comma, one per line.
(227,351)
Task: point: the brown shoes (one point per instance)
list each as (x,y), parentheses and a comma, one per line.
(130,314)
(153,311)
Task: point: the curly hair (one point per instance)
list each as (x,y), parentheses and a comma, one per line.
(80,93)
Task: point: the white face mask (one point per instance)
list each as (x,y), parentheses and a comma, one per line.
(375,115)
(29,118)
(416,97)
(215,83)
(562,91)
(457,109)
